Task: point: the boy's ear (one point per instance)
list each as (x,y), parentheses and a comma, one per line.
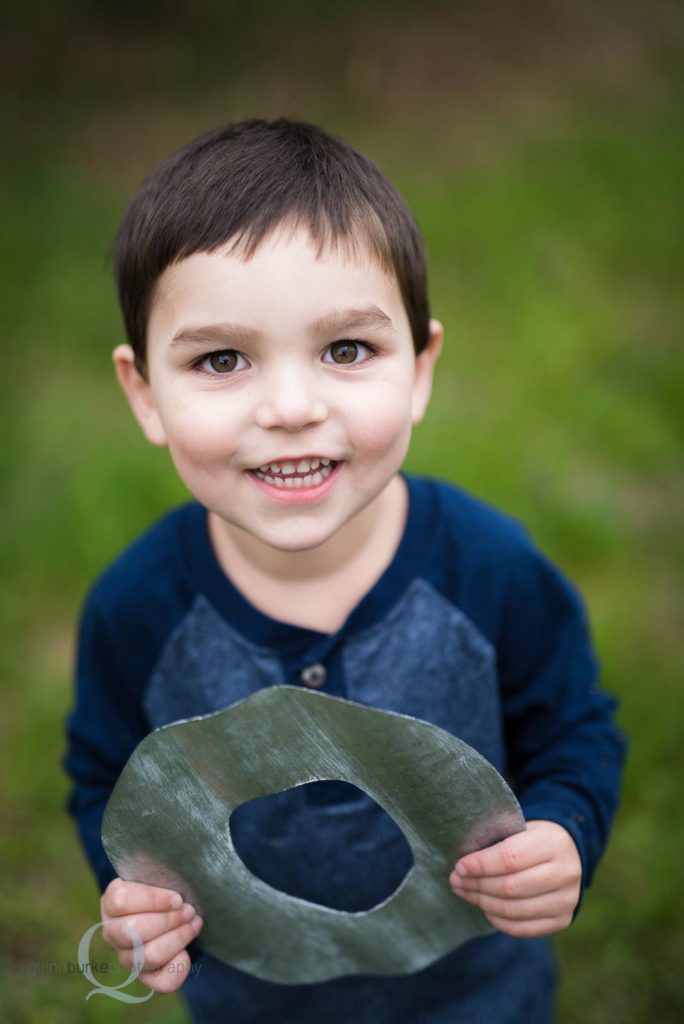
(139,394)
(425,366)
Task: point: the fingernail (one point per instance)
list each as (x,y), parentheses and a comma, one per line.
(197,923)
(462,870)
(187,913)
(176,901)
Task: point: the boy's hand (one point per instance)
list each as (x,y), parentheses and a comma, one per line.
(164,924)
(527,885)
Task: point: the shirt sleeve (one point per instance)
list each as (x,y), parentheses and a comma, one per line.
(105,726)
(565,751)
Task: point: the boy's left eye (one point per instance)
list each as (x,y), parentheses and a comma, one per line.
(345,352)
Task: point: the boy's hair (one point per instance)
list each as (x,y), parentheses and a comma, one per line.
(236,184)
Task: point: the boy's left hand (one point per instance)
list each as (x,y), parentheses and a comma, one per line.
(528,885)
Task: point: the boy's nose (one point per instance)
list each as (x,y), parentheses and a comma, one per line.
(291,403)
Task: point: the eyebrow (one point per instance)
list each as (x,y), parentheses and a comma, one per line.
(221,335)
(371,318)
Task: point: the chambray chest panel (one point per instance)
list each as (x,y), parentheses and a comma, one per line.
(206,666)
(424,658)
(427,659)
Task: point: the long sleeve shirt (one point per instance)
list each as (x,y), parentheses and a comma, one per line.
(469,628)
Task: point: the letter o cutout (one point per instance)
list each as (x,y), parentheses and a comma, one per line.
(167,823)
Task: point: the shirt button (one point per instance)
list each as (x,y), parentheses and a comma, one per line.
(314,675)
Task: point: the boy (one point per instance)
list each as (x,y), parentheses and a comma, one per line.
(273,288)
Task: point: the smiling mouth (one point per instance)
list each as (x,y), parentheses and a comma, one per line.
(295,475)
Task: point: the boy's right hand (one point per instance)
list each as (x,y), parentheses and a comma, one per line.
(164,924)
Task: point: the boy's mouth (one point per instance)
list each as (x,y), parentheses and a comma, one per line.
(296,474)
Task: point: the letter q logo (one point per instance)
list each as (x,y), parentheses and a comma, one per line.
(113,991)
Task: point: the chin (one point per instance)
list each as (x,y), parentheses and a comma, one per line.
(295,547)
(308,541)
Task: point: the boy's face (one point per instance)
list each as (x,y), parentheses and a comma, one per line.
(282,359)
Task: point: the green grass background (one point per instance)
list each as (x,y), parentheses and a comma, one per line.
(540,145)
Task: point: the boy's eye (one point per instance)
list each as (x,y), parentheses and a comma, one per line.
(221,362)
(343,352)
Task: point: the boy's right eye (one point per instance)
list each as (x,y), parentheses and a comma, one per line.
(221,363)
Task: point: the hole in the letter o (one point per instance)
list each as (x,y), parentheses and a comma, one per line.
(325,842)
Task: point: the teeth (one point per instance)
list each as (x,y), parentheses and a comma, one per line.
(288,468)
(289,481)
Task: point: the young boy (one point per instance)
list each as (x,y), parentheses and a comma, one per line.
(273,288)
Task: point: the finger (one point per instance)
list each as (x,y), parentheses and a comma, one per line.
(527,929)
(126,932)
(558,905)
(163,949)
(169,977)
(122,897)
(521,885)
(518,852)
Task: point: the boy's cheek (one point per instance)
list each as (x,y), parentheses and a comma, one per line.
(381,423)
(195,434)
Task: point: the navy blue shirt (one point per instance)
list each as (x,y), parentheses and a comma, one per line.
(469,628)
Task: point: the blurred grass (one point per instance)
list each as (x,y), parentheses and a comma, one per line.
(542,154)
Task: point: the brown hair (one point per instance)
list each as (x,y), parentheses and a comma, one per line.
(236,184)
